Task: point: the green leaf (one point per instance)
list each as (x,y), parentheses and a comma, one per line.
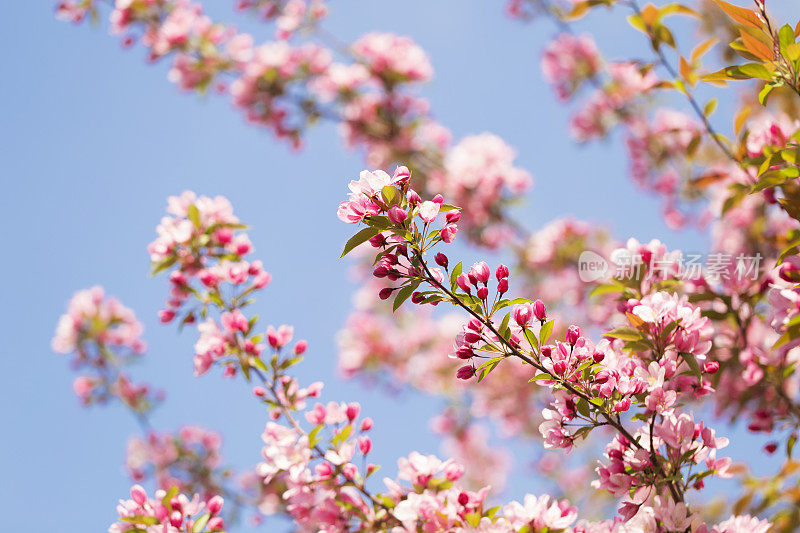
(389,193)
(625,333)
(359,238)
(546,331)
(194,215)
(313,437)
(755,70)
(163,265)
(455,273)
(140,519)
(763,94)
(583,407)
(531,337)
(200,523)
(403,294)
(541,377)
(692,362)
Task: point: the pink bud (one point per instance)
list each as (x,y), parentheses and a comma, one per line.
(573,332)
(324,470)
(539,310)
(366,424)
(439,199)
(547,351)
(465,372)
(453,216)
(401,175)
(301,347)
(463,281)
(413,198)
(602,376)
(215,504)
(397,215)
(522,314)
(711,367)
(598,356)
(483,293)
(176,519)
(138,495)
(448,233)
(480,271)
(166,315)
(364,444)
(259,391)
(215,524)
(352,411)
(559,367)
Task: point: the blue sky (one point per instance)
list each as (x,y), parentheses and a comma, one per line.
(93,141)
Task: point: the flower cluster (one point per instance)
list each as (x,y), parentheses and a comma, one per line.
(169,511)
(569,61)
(104,335)
(190,459)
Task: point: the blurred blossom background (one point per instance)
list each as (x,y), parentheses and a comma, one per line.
(94,139)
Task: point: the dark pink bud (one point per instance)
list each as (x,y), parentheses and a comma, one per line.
(385,293)
(397,215)
(547,351)
(471,337)
(465,372)
(463,499)
(413,198)
(441,260)
(464,352)
(771,447)
(381,271)
(453,216)
(301,347)
(501,272)
(573,332)
(483,293)
(176,519)
(539,310)
(789,272)
(598,356)
(439,199)
(711,367)
(602,376)
(166,315)
(559,367)
(352,411)
(502,286)
(417,297)
(378,240)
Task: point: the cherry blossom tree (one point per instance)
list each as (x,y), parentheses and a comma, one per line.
(627,361)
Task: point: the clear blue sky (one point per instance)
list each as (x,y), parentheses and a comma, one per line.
(92,142)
